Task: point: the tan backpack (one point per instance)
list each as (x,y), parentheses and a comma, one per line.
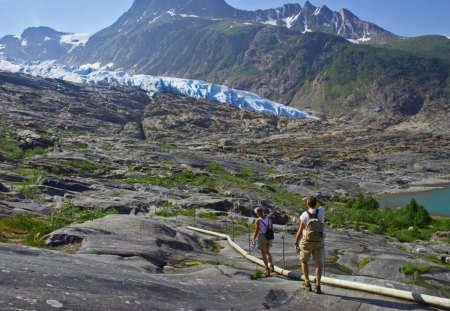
(314,228)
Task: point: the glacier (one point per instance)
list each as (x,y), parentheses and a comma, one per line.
(93,74)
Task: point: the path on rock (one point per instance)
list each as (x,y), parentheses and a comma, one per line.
(111,280)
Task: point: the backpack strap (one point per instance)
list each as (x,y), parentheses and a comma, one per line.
(268,222)
(315,215)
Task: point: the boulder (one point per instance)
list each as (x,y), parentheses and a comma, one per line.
(31,139)
(3,188)
(64,184)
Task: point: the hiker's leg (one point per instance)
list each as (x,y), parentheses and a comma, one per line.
(269,257)
(266,262)
(264,257)
(318,260)
(318,274)
(305,271)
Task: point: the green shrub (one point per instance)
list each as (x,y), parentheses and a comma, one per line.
(362,202)
(410,269)
(414,214)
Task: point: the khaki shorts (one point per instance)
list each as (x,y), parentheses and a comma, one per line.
(312,248)
(262,243)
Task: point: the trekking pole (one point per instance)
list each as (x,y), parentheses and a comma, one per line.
(194,215)
(323,255)
(249,243)
(284,263)
(232,224)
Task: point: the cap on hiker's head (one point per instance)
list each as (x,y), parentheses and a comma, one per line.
(311,201)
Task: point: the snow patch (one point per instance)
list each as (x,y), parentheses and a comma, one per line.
(155,19)
(171,12)
(140,18)
(24,42)
(189,15)
(317,11)
(289,21)
(247,23)
(360,40)
(272,22)
(47,38)
(2,46)
(307,29)
(75,39)
(93,74)
(93,66)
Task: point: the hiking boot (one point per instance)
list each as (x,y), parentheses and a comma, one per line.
(307,287)
(318,289)
(267,272)
(272,268)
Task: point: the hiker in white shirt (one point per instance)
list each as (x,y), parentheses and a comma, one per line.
(312,240)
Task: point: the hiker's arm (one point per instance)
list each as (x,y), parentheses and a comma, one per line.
(298,235)
(255,235)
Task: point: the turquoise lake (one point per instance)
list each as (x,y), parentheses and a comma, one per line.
(436,201)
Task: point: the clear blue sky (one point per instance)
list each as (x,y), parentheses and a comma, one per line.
(402,17)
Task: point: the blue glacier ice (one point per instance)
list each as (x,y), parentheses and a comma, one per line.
(92,73)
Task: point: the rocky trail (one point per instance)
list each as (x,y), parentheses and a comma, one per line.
(142,263)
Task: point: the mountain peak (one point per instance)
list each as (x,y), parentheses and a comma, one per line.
(40,31)
(308,6)
(216,8)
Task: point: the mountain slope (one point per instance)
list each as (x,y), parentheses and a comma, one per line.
(317,71)
(40,43)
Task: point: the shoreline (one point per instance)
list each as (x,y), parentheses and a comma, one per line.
(429,184)
(441,184)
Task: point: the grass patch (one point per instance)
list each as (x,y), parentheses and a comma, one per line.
(343,269)
(165,213)
(208,215)
(29,230)
(438,261)
(364,262)
(419,282)
(84,165)
(193,263)
(257,273)
(412,269)
(78,146)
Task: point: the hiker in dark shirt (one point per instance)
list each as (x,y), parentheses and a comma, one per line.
(263,244)
(312,240)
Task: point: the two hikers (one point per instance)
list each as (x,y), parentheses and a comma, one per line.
(312,240)
(311,233)
(262,240)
